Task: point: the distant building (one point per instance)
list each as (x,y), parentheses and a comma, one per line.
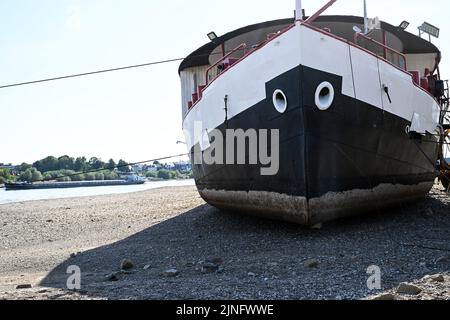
(168,166)
(183,166)
(150,168)
(138,168)
(9,166)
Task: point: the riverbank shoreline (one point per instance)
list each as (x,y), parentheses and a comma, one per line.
(12,196)
(181,248)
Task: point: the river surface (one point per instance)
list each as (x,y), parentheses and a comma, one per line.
(42,194)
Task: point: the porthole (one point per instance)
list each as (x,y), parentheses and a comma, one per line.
(324,96)
(280,101)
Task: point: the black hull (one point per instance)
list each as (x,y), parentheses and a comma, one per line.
(66,185)
(353,157)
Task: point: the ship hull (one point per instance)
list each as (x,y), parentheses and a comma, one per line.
(351,158)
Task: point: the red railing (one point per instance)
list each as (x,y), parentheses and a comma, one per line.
(222,60)
(400,62)
(196,96)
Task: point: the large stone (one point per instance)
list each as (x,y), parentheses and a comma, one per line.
(443,259)
(126,264)
(215,260)
(384,297)
(438,278)
(317,226)
(209,267)
(312,263)
(171,272)
(408,288)
(113,276)
(24,286)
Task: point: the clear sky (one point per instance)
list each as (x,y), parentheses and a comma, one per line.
(133,114)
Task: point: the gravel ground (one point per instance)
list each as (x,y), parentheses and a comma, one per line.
(181,248)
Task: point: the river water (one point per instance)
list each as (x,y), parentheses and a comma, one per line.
(31,195)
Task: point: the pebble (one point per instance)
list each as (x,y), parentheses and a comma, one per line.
(443,259)
(24,286)
(209,267)
(171,272)
(385,297)
(438,278)
(113,276)
(147,266)
(408,288)
(126,264)
(312,263)
(215,260)
(317,226)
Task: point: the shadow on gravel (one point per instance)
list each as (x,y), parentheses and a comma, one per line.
(264,259)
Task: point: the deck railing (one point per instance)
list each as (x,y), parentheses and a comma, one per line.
(242,46)
(393,56)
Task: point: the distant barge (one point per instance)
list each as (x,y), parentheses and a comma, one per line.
(73,184)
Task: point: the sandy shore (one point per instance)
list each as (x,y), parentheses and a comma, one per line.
(182,248)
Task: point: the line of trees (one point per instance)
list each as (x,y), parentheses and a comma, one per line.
(80,164)
(164,174)
(70,175)
(66,168)
(6,176)
(52,168)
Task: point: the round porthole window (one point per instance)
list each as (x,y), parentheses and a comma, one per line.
(324,95)
(407,129)
(280,101)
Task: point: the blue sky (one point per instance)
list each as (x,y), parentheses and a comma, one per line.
(133,114)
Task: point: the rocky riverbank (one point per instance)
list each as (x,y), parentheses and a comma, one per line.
(168,244)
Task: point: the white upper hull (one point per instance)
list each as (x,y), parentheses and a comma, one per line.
(364,77)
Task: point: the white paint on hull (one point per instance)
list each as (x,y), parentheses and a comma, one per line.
(244,84)
(363,78)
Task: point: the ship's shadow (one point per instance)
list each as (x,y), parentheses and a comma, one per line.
(261,257)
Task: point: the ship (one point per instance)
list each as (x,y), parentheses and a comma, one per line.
(130,180)
(356,107)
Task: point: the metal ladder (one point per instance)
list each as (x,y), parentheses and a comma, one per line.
(444,101)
